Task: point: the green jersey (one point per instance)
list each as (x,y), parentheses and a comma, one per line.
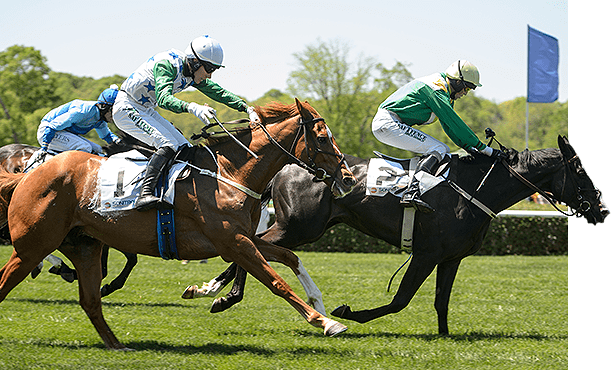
(426,100)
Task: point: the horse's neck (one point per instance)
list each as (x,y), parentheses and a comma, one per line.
(501,189)
(254,173)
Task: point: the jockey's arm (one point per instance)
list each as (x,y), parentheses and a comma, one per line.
(456,129)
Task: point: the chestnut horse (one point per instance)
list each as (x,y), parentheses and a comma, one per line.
(216,209)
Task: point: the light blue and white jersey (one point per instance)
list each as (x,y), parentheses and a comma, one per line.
(78,117)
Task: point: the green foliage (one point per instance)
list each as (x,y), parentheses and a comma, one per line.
(529,236)
(25,85)
(346,90)
(505,312)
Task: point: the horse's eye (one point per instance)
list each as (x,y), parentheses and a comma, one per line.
(322,139)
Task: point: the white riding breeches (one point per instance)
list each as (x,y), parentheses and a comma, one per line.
(64,140)
(145,124)
(390,130)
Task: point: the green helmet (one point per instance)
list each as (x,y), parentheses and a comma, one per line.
(464,71)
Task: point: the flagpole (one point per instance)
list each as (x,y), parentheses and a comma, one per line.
(526,133)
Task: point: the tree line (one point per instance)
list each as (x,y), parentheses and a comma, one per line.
(346,90)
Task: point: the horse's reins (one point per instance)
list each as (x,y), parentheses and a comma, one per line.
(585,205)
(319,173)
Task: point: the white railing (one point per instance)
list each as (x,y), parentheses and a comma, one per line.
(512,213)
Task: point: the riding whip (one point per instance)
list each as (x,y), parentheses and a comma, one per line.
(233,137)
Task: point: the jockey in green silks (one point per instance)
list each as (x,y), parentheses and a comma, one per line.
(422,102)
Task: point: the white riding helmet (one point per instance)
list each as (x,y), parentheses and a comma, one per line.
(206,49)
(464,71)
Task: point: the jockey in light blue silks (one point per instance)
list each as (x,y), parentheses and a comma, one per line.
(422,102)
(61,129)
(153,84)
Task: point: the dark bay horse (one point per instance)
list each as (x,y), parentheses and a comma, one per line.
(304,211)
(215,214)
(14,157)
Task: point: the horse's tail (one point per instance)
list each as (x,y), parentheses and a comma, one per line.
(8,183)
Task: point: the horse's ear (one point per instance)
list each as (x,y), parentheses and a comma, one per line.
(566,148)
(303,111)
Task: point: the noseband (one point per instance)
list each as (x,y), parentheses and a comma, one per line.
(319,173)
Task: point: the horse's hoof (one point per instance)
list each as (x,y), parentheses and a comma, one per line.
(341,311)
(220,304)
(188,293)
(333,328)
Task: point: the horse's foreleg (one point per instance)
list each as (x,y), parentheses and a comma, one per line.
(247,256)
(85,256)
(285,256)
(212,288)
(446,273)
(120,280)
(416,274)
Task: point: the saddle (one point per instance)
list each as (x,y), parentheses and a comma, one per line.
(392,175)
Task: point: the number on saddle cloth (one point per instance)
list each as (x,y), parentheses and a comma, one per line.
(388,174)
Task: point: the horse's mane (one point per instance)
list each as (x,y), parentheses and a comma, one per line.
(271,113)
(276,112)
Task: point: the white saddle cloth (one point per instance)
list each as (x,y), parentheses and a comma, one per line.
(385,177)
(120,178)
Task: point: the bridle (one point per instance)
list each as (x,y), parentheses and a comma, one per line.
(585,205)
(319,173)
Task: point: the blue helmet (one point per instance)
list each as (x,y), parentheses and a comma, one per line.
(108,95)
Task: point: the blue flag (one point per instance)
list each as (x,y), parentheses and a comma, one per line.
(543,71)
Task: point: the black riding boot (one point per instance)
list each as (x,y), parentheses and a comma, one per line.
(158,160)
(411,198)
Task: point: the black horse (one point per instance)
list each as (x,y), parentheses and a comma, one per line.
(13,158)
(304,210)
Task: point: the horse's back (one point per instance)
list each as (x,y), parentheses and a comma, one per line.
(57,187)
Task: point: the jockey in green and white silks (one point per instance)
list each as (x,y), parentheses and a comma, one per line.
(421,102)
(153,84)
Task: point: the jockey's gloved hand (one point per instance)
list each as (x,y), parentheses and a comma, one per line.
(253,116)
(495,153)
(117,141)
(40,155)
(203,112)
(499,154)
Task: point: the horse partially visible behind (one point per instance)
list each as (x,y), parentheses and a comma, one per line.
(216,209)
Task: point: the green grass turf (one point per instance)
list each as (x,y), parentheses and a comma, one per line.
(505,312)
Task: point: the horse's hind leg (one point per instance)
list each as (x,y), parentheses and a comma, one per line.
(120,280)
(14,271)
(85,255)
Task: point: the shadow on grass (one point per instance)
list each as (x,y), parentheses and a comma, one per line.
(108,304)
(466,337)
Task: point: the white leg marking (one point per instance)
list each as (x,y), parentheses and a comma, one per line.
(314,296)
